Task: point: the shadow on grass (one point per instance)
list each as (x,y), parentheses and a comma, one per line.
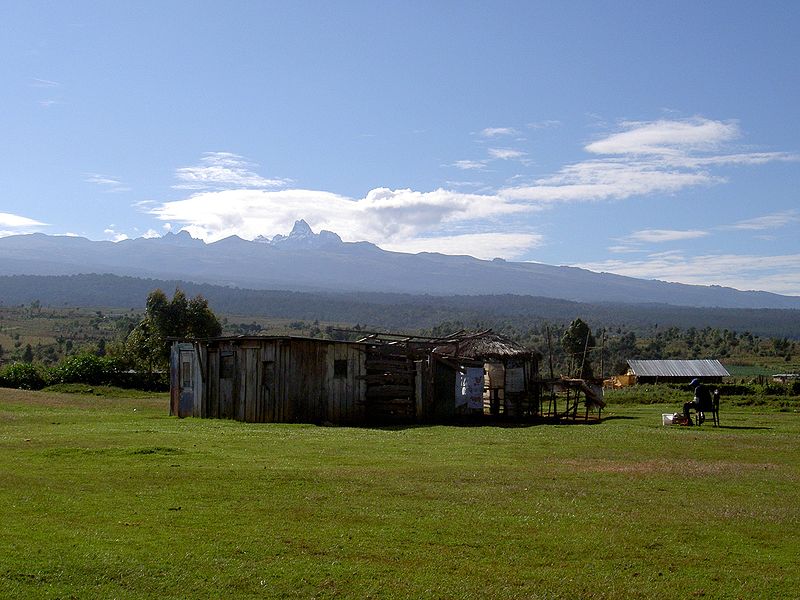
(489,422)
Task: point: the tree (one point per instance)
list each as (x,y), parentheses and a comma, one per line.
(148,342)
(27,355)
(577,341)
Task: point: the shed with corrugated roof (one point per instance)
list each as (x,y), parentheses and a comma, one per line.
(677,371)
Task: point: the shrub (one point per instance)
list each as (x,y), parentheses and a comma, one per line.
(23,376)
(774,389)
(83,368)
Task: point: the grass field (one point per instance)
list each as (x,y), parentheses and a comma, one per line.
(106,497)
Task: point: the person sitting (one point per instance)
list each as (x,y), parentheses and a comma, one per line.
(700,402)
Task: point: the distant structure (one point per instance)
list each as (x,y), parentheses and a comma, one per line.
(785,377)
(676,371)
(379,378)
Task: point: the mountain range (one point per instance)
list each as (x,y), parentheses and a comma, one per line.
(308,261)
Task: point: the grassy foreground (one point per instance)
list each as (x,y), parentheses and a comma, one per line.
(104,497)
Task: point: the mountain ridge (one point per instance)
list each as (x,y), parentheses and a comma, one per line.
(308,261)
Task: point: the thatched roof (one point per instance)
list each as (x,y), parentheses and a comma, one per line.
(483,345)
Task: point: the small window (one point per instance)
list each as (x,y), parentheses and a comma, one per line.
(186,374)
(267,372)
(340,369)
(227,363)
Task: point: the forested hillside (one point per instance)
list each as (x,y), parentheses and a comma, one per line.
(397,311)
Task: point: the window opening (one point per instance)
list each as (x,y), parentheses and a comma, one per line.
(340,369)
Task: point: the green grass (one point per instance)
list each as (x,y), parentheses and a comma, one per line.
(104,391)
(109,497)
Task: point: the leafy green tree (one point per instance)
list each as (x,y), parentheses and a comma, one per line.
(27,355)
(147,344)
(577,342)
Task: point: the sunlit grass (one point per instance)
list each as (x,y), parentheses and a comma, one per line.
(107,497)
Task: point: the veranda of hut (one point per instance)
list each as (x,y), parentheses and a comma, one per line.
(511,377)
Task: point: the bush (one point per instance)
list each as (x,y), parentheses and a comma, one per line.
(83,368)
(23,376)
(735,389)
(90,369)
(774,389)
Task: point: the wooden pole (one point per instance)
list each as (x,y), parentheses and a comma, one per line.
(551,406)
(585,348)
(602,355)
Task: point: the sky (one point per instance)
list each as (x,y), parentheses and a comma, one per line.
(656,140)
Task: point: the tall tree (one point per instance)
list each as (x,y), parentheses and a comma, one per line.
(578,342)
(148,342)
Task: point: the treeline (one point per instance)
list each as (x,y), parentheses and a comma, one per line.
(400,312)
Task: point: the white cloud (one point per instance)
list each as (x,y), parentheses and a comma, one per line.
(466,165)
(779,274)
(666,137)
(505,153)
(663,156)
(108,184)
(223,170)
(115,236)
(386,217)
(43,83)
(479,245)
(665,235)
(11,220)
(623,249)
(608,180)
(11,224)
(772,221)
(459,184)
(544,124)
(490,132)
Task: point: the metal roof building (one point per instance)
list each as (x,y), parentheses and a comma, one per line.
(650,371)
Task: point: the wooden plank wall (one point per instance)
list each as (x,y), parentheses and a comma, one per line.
(211,387)
(390,385)
(285,380)
(346,392)
(198,360)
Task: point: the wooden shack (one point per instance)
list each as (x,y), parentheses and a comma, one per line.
(263,379)
(379,378)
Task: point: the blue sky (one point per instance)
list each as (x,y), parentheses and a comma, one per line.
(658,140)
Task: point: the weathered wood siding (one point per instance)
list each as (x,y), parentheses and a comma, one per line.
(391,388)
(281,380)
